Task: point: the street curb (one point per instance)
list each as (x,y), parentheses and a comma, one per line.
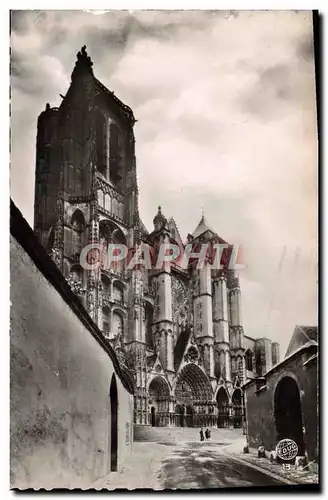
(264,471)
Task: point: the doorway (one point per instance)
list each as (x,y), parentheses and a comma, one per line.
(237,401)
(288,413)
(180,414)
(113,424)
(189,416)
(153,416)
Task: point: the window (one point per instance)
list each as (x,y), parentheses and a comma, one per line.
(78,226)
(100,198)
(114,207)
(117,324)
(101,144)
(118,293)
(106,328)
(77,272)
(115,154)
(105,321)
(105,286)
(148,325)
(108,205)
(249,360)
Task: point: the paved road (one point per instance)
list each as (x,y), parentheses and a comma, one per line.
(184,465)
(202,466)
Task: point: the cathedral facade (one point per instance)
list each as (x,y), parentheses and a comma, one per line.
(177,329)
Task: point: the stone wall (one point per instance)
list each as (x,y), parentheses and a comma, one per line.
(259,402)
(60,381)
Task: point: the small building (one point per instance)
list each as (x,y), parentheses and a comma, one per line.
(71,402)
(283,403)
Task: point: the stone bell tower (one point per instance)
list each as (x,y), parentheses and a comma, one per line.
(221,327)
(162,283)
(236,331)
(202,296)
(86,187)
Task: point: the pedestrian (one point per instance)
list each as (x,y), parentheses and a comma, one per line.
(201,432)
(207,434)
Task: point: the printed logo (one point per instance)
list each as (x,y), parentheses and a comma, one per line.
(286,449)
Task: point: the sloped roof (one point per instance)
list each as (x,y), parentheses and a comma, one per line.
(143,228)
(173,225)
(301,336)
(202,227)
(309,346)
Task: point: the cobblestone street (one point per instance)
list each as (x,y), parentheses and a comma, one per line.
(179,461)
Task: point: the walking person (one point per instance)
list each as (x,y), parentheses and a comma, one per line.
(207,434)
(201,432)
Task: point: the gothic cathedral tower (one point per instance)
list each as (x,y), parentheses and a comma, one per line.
(177,329)
(86,189)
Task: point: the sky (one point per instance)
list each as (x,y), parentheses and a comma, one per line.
(226,110)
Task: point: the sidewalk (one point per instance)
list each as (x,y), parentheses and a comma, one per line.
(291,476)
(141,469)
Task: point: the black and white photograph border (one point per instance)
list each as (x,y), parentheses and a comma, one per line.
(157,375)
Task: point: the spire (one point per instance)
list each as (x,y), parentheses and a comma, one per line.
(202,227)
(83,64)
(159,220)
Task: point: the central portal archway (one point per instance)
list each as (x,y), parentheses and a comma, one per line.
(288,412)
(159,395)
(193,393)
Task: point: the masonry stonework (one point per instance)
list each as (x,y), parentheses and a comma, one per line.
(283,403)
(63,383)
(178,329)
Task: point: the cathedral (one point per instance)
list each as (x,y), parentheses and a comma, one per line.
(177,330)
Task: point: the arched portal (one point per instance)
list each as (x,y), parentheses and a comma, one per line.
(223,408)
(189,416)
(179,415)
(237,402)
(159,396)
(113,424)
(288,412)
(153,416)
(194,392)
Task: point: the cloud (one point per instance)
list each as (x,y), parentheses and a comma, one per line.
(225,103)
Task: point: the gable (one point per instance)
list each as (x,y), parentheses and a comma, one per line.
(154,364)
(174,232)
(301,336)
(187,350)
